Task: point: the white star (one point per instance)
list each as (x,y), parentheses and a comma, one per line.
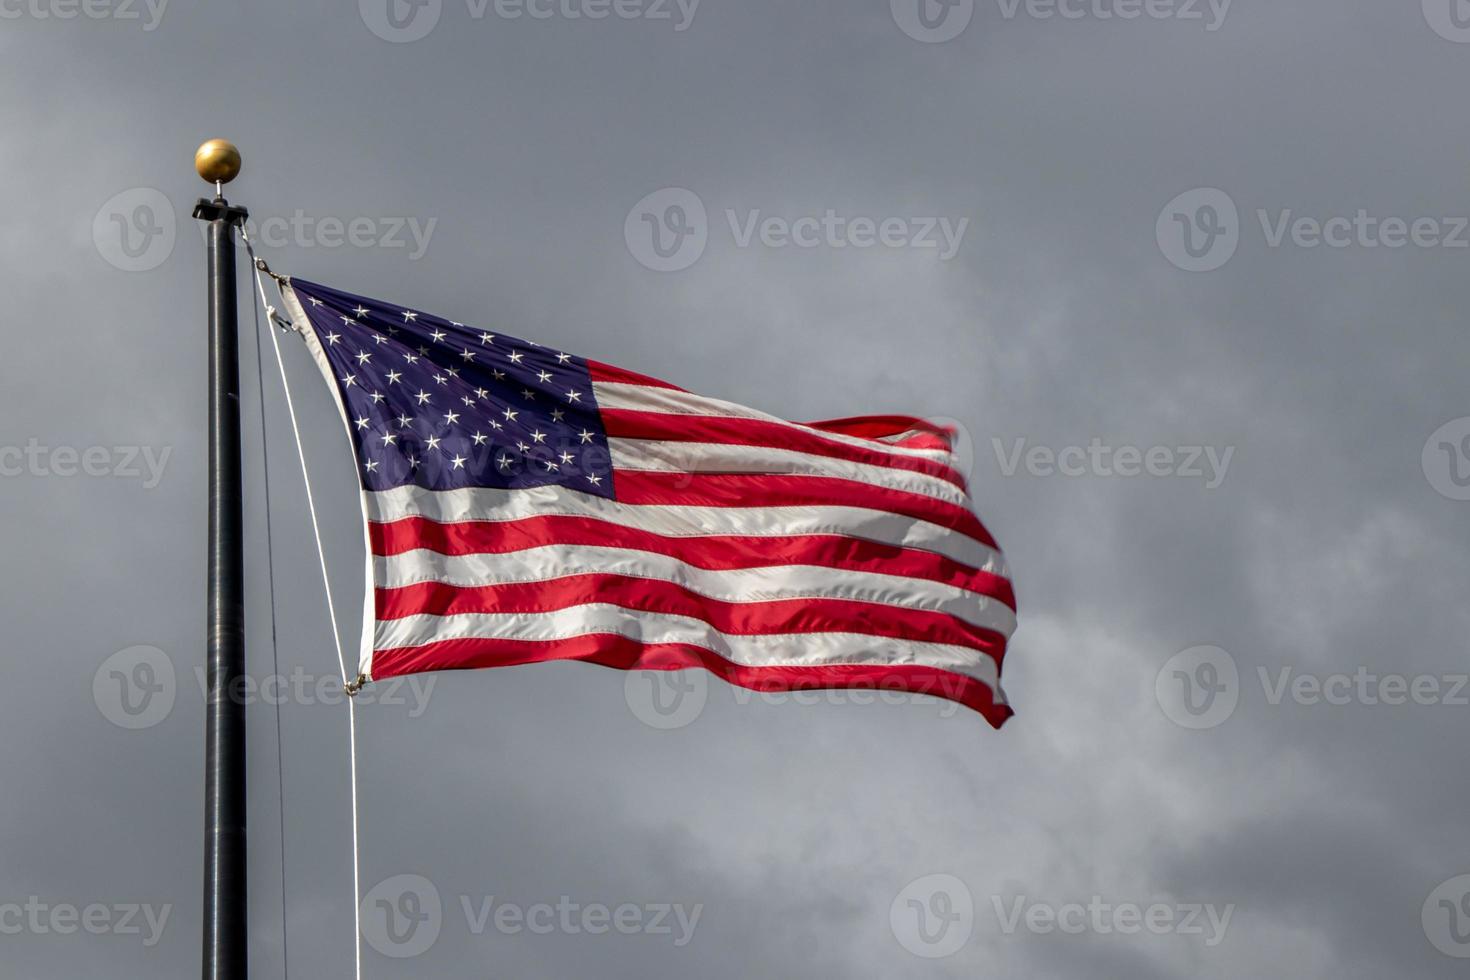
(349,380)
(377,398)
(468,401)
(379,339)
(574,396)
(393,377)
(521,445)
(557,415)
(539,436)
(468,354)
(409,315)
(495,425)
(528,394)
(510,414)
(332,338)
(389,438)
(487,338)
(433,442)
(363,357)
(515,357)
(455,323)
(441,379)
(423,397)
(596,481)
(361,423)
(403,421)
(372,466)
(565,456)
(413,462)
(481,393)
(544,375)
(451,417)
(458,462)
(349,321)
(314,301)
(480,440)
(586,436)
(552,466)
(563,358)
(504,462)
(452,372)
(498,375)
(411,358)
(438,335)
(361,311)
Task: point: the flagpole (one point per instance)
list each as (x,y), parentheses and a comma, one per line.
(225,923)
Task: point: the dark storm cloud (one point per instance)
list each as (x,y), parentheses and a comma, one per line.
(517,147)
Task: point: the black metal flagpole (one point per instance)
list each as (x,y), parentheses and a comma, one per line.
(225,952)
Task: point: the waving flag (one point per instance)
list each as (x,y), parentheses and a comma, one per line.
(525,505)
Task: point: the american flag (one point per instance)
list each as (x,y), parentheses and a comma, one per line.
(525,505)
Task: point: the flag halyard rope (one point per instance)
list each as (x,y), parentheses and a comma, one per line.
(350,685)
(270,564)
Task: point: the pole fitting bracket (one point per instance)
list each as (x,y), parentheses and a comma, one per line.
(219,209)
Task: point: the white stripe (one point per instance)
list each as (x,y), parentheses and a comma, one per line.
(746,585)
(667,401)
(678,521)
(712,457)
(907,434)
(775,650)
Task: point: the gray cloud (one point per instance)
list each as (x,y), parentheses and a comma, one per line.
(1060,318)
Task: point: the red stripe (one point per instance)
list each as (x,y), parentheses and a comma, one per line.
(778,616)
(924,440)
(888,426)
(610,650)
(611,373)
(629,424)
(714,552)
(760,490)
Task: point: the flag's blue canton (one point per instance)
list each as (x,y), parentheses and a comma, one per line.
(443,406)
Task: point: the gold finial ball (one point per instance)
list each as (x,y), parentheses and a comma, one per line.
(218,161)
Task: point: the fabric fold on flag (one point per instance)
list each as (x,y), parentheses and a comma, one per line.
(524,505)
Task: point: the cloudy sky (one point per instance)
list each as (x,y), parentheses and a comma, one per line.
(1189,277)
